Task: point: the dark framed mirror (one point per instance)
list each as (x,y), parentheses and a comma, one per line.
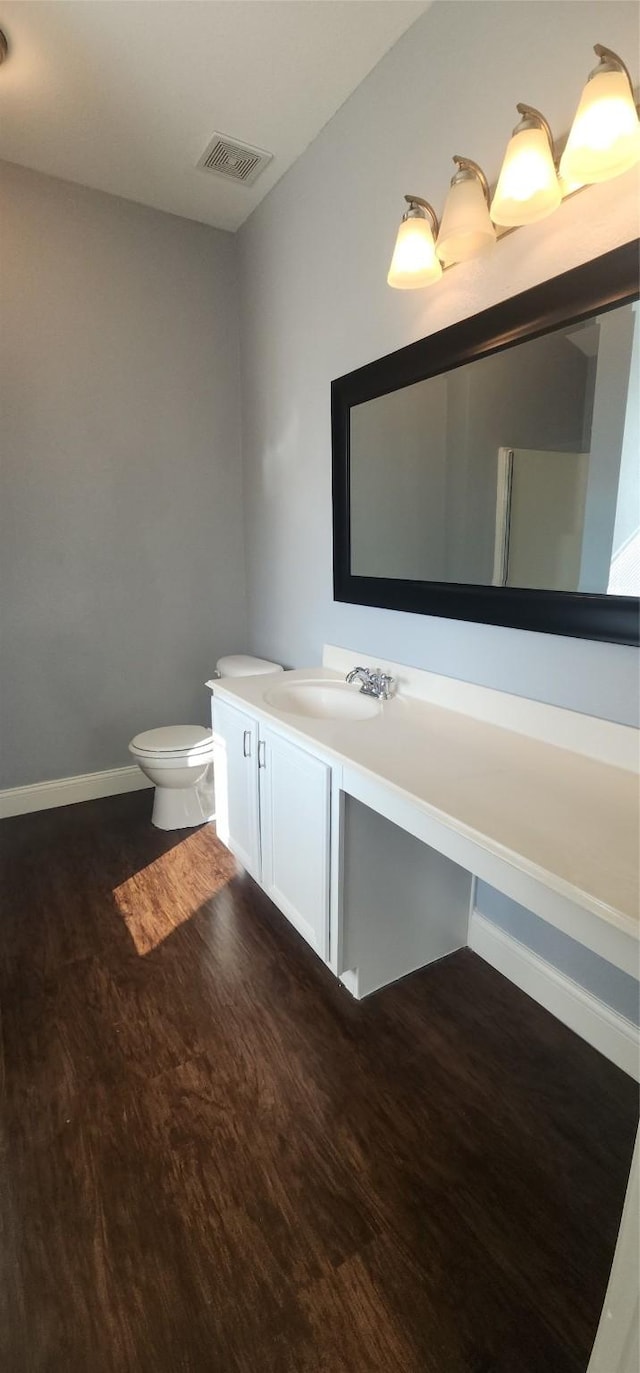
(491,471)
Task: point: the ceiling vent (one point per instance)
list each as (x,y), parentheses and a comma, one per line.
(237,161)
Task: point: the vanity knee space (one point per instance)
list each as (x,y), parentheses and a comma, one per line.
(404,905)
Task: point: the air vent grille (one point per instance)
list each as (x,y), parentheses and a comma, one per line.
(237,161)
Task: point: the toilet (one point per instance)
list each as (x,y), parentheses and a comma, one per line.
(178,759)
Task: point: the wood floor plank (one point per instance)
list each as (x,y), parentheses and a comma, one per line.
(214,1161)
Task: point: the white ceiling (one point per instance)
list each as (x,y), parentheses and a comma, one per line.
(124,95)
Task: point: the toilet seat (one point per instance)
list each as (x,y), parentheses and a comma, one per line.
(178,760)
(166,763)
(172,741)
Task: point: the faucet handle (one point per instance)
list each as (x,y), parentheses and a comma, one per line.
(381,683)
(385,682)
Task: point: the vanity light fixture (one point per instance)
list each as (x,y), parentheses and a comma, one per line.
(415,262)
(466,230)
(4,47)
(528,188)
(604,142)
(605,134)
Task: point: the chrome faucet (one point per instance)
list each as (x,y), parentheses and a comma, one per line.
(374,681)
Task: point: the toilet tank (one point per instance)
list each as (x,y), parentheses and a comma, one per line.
(243,665)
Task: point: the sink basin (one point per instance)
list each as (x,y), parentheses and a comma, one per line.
(323,701)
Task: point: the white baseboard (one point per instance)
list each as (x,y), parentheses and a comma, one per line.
(65,791)
(612,1034)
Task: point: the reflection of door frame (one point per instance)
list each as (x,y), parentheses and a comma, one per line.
(503,514)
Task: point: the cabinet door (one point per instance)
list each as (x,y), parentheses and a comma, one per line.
(235,771)
(294,816)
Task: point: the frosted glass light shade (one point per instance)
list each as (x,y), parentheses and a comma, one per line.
(466,230)
(605,134)
(414,262)
(528,188)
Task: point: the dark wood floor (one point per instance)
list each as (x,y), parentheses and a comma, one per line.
(213,1159)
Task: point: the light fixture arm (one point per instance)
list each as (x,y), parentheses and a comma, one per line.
(609,62)
(420,209)
(468,169)
(4,47)
(533,119)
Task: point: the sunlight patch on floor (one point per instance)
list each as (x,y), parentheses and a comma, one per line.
(155,901)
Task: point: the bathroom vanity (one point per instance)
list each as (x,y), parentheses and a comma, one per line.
(366,822)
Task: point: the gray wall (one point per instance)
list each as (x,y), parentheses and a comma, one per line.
(314,258)
(122,563)
(614,987)
(398,475)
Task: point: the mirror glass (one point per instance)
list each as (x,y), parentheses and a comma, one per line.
(518,469)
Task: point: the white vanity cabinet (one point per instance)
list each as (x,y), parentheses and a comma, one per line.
(273,812)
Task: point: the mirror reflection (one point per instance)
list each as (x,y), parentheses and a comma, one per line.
(518,469)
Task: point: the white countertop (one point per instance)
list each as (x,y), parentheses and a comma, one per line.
(564,818)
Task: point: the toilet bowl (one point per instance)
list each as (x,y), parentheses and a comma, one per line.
(178,760)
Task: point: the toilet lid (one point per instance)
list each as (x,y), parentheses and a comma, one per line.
(173,739)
